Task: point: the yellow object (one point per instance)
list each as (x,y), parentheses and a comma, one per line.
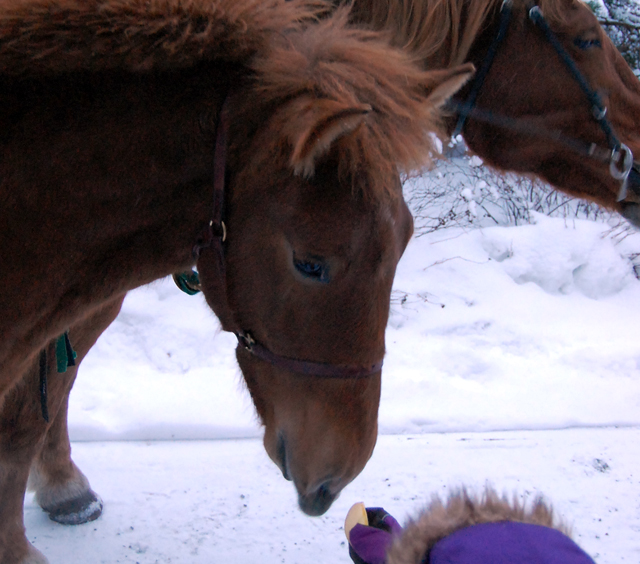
(357,514)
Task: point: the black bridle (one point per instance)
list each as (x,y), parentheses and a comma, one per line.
(618,156)
(213,240)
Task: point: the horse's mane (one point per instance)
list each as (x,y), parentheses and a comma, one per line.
(440,31)
(54,36)
(334,61)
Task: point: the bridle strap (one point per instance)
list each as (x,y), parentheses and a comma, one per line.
(516,125)
(621,161)
(619,156)
(598,109)
(465,109)
(214,239)
(309,368)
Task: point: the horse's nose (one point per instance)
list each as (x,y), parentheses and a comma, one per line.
(282,461)
(313,502)
(317,502)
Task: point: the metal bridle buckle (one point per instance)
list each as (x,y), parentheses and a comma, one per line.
(535,13)
(620,166)
(223,228)
(599,112)
(246,340)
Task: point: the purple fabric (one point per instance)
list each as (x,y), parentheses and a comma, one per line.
(507,542)
(371,543)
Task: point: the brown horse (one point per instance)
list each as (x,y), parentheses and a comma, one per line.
(553,97)
(532,102)
(130,130)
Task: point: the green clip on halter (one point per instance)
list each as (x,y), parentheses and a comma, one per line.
(188,282)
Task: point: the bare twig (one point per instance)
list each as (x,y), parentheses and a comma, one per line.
(439,262)
(619,24)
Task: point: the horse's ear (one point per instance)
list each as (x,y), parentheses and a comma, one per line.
(443,84)
(318,124)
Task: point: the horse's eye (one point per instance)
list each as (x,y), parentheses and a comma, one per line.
(314,269)
(586,44)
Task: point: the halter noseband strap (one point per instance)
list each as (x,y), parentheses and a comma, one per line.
(321,369)
(619,156)
(213,239)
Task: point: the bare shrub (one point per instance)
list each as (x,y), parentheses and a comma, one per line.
(461,192)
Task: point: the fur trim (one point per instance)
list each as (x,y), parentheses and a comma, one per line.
(55,36)
(462,510)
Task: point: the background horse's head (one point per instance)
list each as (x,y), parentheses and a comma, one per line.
(316,224)
(531,84)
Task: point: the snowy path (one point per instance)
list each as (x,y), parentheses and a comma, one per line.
(224,501)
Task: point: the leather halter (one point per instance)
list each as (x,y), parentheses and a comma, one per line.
(619,157)
(213,240)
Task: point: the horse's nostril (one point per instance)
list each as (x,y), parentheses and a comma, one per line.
(317,502)
(282,457)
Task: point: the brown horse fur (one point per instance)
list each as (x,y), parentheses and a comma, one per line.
(442,33)
(107,167)
(53,37)
(406,143)
(439,33)
(462,509)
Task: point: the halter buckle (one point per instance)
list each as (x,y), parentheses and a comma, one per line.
(599,112)
(246,340)
(535,14)
(620,166)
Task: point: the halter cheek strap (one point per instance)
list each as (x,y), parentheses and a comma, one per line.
(467,107)
(213,241)
(619,157)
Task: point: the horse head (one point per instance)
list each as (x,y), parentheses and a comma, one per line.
(316,224)
(559,101)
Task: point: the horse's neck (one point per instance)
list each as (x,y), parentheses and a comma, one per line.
(106,185)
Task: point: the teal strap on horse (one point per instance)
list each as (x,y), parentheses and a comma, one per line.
(65,357)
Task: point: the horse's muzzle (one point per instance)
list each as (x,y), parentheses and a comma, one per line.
(313,503)
(317,502)
(630,204)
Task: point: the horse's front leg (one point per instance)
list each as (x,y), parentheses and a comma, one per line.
(14,546)
(28,442)
(61,489)
(22,428)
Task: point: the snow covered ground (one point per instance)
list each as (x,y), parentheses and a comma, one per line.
(513,358)
(210,502)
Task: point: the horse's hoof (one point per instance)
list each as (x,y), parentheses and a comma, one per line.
(87,507)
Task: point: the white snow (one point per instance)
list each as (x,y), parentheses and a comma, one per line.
(513,358)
